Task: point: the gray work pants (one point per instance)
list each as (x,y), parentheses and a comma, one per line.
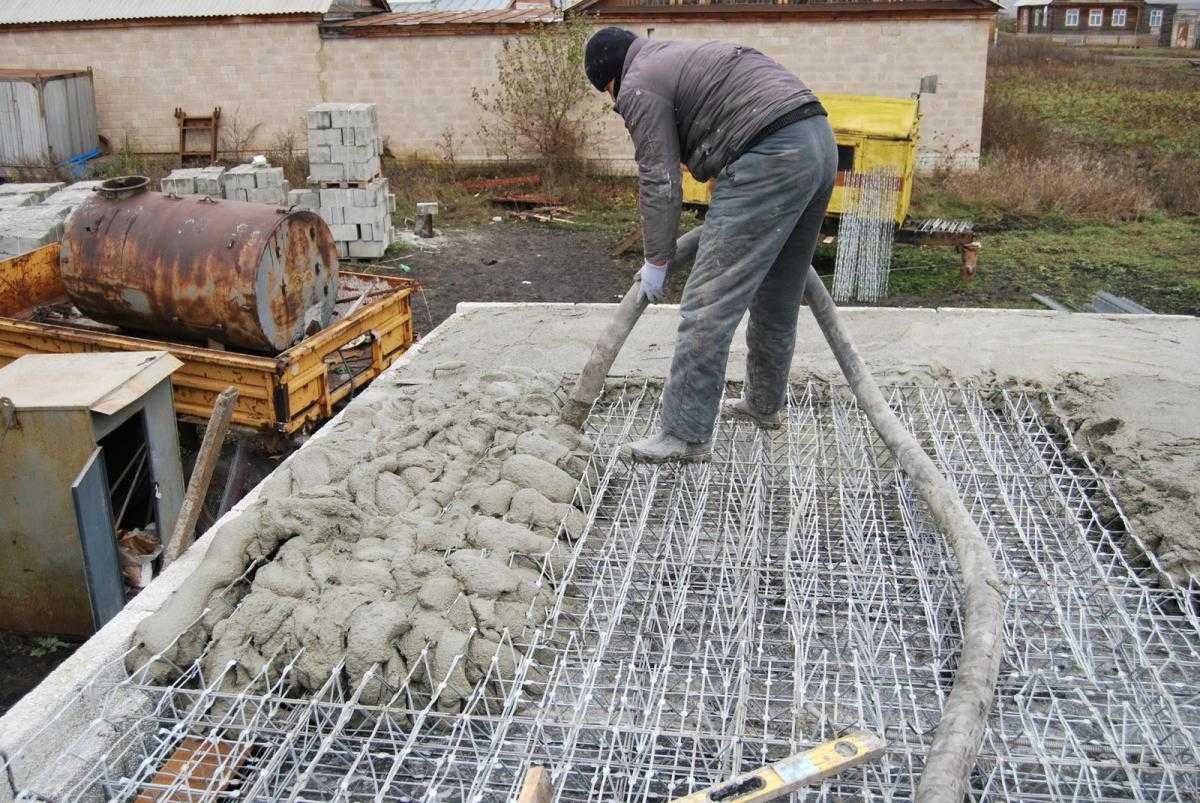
(758,241)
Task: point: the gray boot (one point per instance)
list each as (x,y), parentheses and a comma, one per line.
(664,448)
(742,409)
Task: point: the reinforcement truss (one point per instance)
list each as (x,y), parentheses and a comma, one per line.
(716,618)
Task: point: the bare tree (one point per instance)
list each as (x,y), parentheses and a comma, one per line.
(541,104)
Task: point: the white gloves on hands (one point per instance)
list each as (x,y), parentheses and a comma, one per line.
(652,277)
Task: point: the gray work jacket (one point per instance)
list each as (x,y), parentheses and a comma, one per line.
(698,103)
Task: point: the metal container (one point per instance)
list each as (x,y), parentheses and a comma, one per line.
(46,116)
(251,276)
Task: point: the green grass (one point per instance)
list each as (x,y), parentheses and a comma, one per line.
(1107,108)
(1089,183)
(1155,262)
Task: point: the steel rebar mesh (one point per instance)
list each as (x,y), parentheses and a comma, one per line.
(866,233)
(716,618)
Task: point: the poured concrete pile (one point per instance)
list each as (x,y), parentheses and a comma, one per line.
(426,518)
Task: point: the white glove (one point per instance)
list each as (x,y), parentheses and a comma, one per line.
(652,277)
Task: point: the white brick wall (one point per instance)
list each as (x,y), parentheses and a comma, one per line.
(870,58)
(269,73)
(260,72)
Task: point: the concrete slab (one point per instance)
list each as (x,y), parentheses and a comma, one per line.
(1126,384)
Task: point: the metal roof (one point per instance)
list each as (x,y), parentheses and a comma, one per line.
(410,6)
(446,13)
(18,12)
(100,382)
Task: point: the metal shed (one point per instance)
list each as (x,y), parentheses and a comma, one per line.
(88,448)
(46,116)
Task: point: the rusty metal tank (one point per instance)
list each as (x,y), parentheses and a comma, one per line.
(251,276)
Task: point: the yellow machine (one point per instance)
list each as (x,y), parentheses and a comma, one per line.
(872,133)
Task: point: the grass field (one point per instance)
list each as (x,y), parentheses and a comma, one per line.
(1090,180)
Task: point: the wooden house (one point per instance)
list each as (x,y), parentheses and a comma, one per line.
(1141,23)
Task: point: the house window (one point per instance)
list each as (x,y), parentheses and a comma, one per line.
(1072,18)
(1095,17)
(845,158)
(1156,17)
(1118,18)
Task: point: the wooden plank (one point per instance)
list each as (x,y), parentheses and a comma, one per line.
(536,786)
(206,461)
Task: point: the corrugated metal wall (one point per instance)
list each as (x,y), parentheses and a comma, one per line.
(50,119)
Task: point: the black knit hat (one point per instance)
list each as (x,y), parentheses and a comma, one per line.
(604,57)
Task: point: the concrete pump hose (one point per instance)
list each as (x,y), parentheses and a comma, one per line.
(960,732)
(590,383)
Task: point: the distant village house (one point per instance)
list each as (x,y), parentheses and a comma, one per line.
(1099,22)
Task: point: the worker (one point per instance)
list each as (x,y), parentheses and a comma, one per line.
(731,113)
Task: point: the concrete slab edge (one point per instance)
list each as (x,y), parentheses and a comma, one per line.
(35,730)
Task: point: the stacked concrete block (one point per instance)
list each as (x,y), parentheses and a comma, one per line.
(25,228)
(258,185)
(32,225)
(305,199)
(360,218)
(14,195)
(12,201)
(208,181)
(72,195)
(343,143)
(346,188)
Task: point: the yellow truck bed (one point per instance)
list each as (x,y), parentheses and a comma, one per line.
(873,133)
(286,394)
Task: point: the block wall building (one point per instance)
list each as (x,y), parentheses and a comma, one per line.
(419,66)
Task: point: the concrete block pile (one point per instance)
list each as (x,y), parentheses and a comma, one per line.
(360,219)
(343,142)
(14,195)
(195,181)
(256,184)
(33,225)
(345,185)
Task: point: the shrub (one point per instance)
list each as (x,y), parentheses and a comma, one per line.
(541,104)
(286,151)
(1011,188)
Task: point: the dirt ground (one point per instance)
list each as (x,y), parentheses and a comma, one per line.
(512,261)
(24,661)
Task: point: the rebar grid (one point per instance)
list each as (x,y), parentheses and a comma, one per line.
(716,618)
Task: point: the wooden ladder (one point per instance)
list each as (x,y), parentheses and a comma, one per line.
(189,125)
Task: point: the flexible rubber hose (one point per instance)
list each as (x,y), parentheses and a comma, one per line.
(590,383)
(959,733)
(960,730)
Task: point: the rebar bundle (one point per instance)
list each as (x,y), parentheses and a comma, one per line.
(716,618)
(866,233)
